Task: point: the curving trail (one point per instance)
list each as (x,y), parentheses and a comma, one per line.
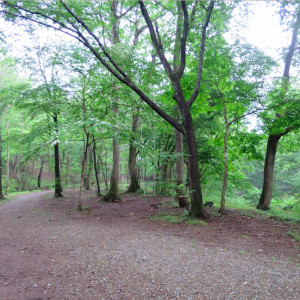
(47,251)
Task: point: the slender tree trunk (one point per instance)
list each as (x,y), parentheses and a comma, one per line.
(113,193)
(19,180)
(1,185)
(180,198)
(89,169)
(225,178)
(95,168)
(58,186)
(68,165)
(134,183)
(7,157)
(40,173)
(266,195)
(83,167)
(105,174)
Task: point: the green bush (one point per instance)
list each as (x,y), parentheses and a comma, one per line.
(252,196)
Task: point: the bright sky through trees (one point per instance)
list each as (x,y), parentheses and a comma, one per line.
(261,27)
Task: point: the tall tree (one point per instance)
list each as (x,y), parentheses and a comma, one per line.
(236,91)
(276,134)
(47,98)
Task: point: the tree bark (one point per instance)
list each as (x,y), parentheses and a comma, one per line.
(225,177)
(134,183)
(40,173)
(95,167)
(83,167)
(68,163)
(113,193)
(89,169)
(197,209)
(58,186)
(1,185)
(179,167)
(266,195)
(7,157)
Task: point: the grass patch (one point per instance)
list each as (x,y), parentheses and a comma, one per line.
(274,212)
(86,207)
(295,235)
(172,218)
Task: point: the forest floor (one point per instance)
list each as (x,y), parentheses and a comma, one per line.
(130,250)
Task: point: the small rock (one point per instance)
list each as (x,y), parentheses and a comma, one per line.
(35,286)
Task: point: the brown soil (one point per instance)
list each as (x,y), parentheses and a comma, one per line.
(117,251)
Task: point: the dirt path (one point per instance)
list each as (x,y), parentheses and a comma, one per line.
(48,251)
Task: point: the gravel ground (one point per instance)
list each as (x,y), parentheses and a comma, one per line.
(50,253)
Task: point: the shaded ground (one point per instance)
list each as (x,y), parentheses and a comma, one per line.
(116,251)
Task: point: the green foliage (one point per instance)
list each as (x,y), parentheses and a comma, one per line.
(174,218)
(295,235)
(252,196)
(67,82)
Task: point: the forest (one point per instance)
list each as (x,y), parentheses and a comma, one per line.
(149,97)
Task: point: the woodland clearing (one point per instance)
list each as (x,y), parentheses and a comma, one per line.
(135,249)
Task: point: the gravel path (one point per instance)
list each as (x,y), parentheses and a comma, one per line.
(48,254)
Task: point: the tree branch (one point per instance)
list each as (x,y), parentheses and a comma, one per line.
(78,35)
(183,39)
(155,41)
(202,49)
(80,21)
(124,13)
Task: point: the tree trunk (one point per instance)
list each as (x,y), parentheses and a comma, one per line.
(95,167)
(7,157)
(134,183)
(68,165)
(179,168)
(40,173)
(197,209)
(58,187)
(1,186)
(113,193)
(82,177)
(266,195)
(225,178)
(89,170)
